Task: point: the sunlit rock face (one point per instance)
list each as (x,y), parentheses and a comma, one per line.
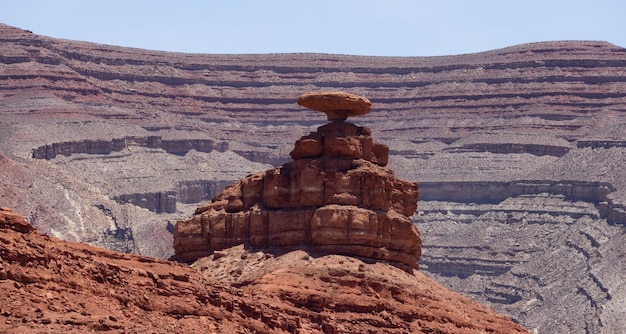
(336,196)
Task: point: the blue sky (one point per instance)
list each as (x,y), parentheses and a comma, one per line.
(380,28)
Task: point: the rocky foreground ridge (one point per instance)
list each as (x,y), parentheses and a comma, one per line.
(49,285)
(519,153)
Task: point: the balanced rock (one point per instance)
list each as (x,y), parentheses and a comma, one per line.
(336,105)
(335,197)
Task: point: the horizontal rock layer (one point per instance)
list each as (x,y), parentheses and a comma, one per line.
(561,96)
(596,193)
(187,192)
(572,80)
(335,196)
(173,146)
(528,252)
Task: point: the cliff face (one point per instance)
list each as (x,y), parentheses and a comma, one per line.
(51,285)
(525,140)
(172,146)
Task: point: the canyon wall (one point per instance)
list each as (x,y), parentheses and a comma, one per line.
(186,192)
(542,123)
(483,192)
(172,146)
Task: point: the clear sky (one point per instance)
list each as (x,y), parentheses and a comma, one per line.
(356,27)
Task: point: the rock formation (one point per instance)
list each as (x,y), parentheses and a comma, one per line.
(336,196)
(52,286)
(337,106)
(542,122)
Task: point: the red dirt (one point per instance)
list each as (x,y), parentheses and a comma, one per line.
(49,285)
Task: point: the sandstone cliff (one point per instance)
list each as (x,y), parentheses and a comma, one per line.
(49,285)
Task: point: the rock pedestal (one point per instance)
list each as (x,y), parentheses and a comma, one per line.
(336,196)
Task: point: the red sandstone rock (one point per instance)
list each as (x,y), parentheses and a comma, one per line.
(309,202)
(335,196)
(336,105)
(52,286)
(14,221)
(341,139)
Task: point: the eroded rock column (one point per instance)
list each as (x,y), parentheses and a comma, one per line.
(336,196)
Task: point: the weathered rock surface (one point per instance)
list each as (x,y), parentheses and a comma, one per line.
(12,220)
(334,197)
(534,262)
(49,285)
(540,116)
(336,105)
(173,146)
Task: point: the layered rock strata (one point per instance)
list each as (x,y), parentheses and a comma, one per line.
(497,116)
(336,196)
(172,146)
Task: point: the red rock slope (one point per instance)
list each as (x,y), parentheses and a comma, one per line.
(49,285)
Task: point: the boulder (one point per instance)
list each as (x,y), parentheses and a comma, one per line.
(11,220)
(336,105)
